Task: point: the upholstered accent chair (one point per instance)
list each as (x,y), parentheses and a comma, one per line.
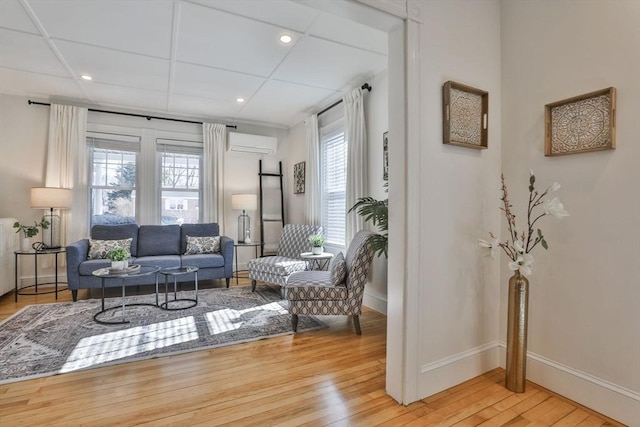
(317,292)
(276,269)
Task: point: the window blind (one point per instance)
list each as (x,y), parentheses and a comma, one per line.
(334,182)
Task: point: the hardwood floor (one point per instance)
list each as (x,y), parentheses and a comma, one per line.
(324,377)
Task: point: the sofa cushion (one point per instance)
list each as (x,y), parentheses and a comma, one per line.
(202,245)
(158,240)
(117,232)
(278,265)
(87,267)
(162,261)
(99,249)
(197,230)
(203,261)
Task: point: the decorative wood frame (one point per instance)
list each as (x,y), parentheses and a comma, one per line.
(465,115)
(298,178)
(581,124)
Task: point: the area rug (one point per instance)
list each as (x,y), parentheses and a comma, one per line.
(49,339)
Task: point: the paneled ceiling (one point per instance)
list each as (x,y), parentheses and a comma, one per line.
(189,59)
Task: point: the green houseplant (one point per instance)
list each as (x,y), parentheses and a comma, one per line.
(376,211)
(119,258)
(317,243)
(29,231)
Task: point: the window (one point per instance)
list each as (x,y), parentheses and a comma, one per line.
(113,183)
(180,167)
(333,148)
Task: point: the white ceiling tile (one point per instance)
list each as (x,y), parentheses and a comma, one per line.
(114,67)
(28,52)
(326,64)
(341,30)
(22,83)
(283,103)
(283,13)
(202,107)
(133,26)
(212,83)
(222,40)
(13,16)
(146,100)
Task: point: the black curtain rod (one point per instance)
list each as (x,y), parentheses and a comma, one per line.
(135,115)
(364,87)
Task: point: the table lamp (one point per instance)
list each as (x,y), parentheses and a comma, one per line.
(244,202)
(51,198)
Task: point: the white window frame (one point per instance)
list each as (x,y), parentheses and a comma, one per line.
(329,132)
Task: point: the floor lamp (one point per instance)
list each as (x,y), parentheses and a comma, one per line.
(51,198)
(244,202)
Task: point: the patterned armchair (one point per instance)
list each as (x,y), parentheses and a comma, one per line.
(316,292)
(276,269)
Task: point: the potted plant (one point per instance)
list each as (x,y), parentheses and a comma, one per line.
(29,231)
(119,257)
(317,243)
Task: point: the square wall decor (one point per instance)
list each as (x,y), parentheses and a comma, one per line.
(580,124)
(465,115)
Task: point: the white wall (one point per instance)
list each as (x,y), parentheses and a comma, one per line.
(293,150)
(457,290)
(585,290)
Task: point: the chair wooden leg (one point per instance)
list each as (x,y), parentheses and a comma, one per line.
(253,285)
(356,324)
(294,322)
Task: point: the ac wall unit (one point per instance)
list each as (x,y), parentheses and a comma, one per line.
(248,143)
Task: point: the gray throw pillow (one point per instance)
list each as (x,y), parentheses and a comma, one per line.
(338,270)
(202,245)
(99,249)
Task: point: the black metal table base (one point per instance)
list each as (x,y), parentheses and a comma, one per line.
(165,305)
(118,307)
(38,292)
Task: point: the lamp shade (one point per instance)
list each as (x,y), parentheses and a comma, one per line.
(244,202)
(51,197)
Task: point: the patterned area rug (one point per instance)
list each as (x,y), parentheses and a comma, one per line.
(49,339)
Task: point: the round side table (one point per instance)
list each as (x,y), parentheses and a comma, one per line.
(317,262)
(175,272)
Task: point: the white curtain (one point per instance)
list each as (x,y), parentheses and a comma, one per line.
(356,158)
(214,137)
(67,167)
(312,213)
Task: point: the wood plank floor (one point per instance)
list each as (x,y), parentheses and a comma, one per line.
(329,377)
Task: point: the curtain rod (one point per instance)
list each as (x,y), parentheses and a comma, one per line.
(135,115)
(364,87)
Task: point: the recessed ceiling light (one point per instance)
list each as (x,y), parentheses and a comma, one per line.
(86,77)
(286,38)
(241,100)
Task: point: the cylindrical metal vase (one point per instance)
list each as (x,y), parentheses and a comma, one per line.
(517,333)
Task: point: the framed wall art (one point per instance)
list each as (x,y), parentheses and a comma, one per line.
(298,178)
(465,115)
(385,155)
(580,124)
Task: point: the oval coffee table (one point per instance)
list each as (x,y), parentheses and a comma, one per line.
(175,272)
(108,274)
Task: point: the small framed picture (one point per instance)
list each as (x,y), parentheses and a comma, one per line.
(385,155)
(298,178)
(465,115)
(581,124)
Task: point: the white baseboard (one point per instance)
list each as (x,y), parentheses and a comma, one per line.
(375,302)
(455,369)
(595,393)
(42,278)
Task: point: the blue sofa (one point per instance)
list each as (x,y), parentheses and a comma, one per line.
(158,245)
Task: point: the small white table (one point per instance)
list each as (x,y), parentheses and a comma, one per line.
(317,262)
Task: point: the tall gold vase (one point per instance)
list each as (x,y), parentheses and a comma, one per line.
(517,333)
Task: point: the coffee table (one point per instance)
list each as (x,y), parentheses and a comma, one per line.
(108,274)
(175,272)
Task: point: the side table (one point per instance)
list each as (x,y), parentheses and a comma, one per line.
(256,245)
(34,253)
(175,272)
(317,262)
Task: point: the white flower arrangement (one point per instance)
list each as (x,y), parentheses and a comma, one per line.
(519,245)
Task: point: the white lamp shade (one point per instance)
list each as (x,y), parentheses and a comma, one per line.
(244,202)
(51,197)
